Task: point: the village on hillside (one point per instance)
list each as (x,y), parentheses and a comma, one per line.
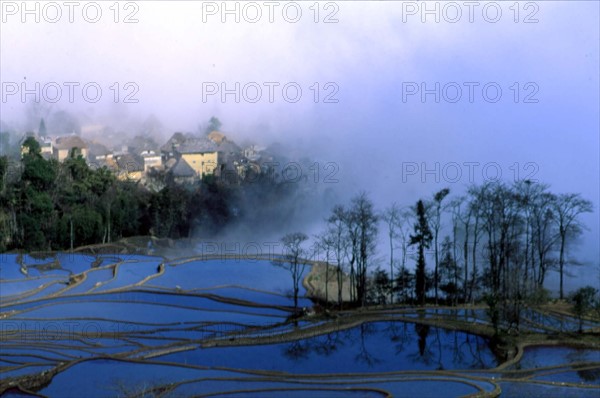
(99,184)
(184,157)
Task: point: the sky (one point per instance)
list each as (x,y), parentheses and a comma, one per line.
(509,90)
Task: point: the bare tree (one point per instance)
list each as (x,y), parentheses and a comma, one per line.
(436,223)
(352,254)
(460,219)
(339,236)
(463,216)
(567,207)
(500,213)
(391,216)
(543,234)
(296,265)
(475,210)
(403,232)
(526,193)
(365,224)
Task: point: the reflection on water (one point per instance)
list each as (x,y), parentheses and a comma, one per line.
(422,331)
(541,356)
(370,347)
(75,307)
(591,376)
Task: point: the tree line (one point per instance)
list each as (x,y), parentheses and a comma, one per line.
(495,243)
(51,205)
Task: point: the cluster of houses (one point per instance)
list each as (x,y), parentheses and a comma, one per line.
(186,157)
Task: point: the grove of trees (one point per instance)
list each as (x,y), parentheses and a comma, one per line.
(51,205)
(496,243)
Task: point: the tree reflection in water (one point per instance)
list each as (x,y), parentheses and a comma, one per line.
(324,345)
(439,347)
(297,350)
(589,375)
(363,355)
(399,334)
(425,354)
(369,344)
(458,355)
(432,351)
(476,355)
(329,344)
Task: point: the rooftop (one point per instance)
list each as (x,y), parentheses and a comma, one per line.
(182,169)
(197,146)
(68,142)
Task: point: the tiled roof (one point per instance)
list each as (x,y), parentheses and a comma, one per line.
(183,169)
(197,146)
(97,149)
(175,140)
(187,143)
(68,142)
(130,163)
(108,163)
(228,146)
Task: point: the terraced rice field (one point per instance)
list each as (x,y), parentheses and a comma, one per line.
(76,325)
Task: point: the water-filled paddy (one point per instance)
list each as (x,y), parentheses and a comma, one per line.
(541,356)
(13,289)
(258,274)
(106,377)
(371,347)
(155,317)
(519,390)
